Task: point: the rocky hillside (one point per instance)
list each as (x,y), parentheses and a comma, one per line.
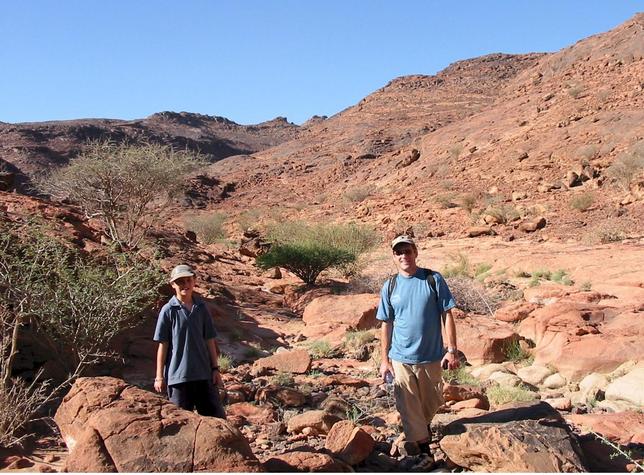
(30,148)
(515,136)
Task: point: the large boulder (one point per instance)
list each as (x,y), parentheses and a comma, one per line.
(296,361)
(628,388)
(599,339)
(109,425)
(316,422)
(513,440)
(623,428)
(484,340)
(331,316)
(349,442)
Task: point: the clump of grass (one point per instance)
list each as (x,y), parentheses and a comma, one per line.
(316,373)
(515,353)
(561,277)
(455,151)
(320,349)
(503,213)
(249,219)
(583,201)
(225,362)
(482,270)
(575,90)
(283,378)
(499,395)
(357,339)
(447,200)
(586,286)
(459,266)
(468,202)
(459,376)
(628,166)
(356,195)
(209,229)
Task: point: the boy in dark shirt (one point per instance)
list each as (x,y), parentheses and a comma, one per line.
(187,357)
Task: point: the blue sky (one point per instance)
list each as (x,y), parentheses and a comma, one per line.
(251,61)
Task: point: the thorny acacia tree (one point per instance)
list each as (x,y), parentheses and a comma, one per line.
(126,186)
(73,303)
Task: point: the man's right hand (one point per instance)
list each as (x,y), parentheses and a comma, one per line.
(384,367)
(159,385)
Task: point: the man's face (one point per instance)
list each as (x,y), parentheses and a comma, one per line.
(405,257)
(183,286)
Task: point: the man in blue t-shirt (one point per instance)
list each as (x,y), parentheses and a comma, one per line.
(187,357)
(411,341)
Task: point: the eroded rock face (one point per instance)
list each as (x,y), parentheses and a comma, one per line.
(527,438)
(331,316)
(108,424)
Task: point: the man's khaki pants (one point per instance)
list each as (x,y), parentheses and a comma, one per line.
(418,389)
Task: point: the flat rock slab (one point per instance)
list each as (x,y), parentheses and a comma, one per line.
(296,361)
(109,425)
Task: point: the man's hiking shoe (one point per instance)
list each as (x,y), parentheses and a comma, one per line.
(425,463)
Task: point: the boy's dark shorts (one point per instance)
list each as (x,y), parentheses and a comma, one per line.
(202,395)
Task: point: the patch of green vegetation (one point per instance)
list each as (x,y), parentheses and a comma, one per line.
(320,349)
(283,378)
(459,266)
(225,362)
(515,353)
(253,352)
(499,395)
(561,277)
(357,339)
(460,376)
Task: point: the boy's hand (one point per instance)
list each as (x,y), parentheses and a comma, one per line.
(159,385)
(216,379)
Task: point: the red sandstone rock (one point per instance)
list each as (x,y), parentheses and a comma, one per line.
(514,311)
(320,421)
(462,392)
(620,427)
(474,403)
(255,414)
(329,317)
(143,432)
(296,361)
(300,461)
(483,339)
(349,442)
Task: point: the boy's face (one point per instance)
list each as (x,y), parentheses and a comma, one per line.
(183,287)
(405,257)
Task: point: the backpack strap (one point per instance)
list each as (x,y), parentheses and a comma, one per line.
(391,286)
(431,282)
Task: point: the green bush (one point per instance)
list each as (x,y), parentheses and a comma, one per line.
(126,186)
(74,303)
(515,353)
(282,378)
(225,362)
(209,229)
(307,250)
(459,376)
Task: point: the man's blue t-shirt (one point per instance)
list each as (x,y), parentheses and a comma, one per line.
(186,332)
(416,335)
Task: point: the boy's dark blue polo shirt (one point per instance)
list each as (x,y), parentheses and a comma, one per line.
(188,358)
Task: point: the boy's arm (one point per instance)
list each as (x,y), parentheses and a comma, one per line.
(159,380)
(214,362)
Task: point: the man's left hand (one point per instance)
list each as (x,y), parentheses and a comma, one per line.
(452,361)
(216,379)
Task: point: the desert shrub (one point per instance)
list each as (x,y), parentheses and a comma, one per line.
(499,395)
(471,296)
(586,286)
(468,202)
(248,219)
(604,232)
(515,353)
(575,90)
(628,166)
(503,213)
(482,270)
(357,339)
(582,201)
(282,378)
(356,195)
(307,250)
(75,304)
(320,349)
(19,402)
(588,152)
(225,362)
(455,151)
(126,186)
(446,200)
(561,277)
(459,376)
(209,229)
